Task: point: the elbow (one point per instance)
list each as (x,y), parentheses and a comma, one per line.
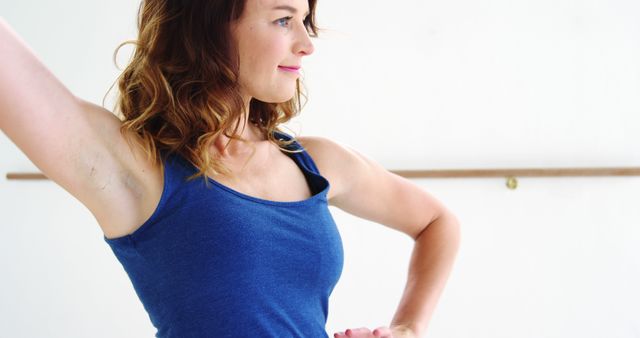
(447,224)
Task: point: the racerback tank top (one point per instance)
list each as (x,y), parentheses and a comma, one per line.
(214,262)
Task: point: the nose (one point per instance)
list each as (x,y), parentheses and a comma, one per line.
(304,45)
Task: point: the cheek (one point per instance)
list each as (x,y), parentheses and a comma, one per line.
(269,49)
(255,55)
(261,53)
(264,62)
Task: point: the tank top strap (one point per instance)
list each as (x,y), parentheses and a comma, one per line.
(172,171)
(304,159)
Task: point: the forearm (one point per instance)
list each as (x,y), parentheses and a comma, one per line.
(432,258)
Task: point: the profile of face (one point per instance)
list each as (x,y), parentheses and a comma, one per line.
(270,36)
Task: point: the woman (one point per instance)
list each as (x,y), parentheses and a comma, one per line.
(249,249)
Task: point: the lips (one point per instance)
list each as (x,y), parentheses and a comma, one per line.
(290,67)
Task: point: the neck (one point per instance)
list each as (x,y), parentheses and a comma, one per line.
(251,133)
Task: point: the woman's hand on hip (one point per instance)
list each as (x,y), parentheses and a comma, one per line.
(381,332)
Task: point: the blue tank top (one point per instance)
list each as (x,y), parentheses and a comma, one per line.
(214,262)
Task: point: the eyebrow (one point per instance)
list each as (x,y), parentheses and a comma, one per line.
(288,8)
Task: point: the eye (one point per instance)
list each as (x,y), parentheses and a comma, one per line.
(285,20)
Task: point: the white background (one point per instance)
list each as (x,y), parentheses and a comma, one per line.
(413,85)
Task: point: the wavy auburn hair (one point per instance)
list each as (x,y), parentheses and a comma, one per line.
(180,90)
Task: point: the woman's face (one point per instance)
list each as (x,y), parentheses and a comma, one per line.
(267,40)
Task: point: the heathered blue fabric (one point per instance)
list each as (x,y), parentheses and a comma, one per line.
(214,262)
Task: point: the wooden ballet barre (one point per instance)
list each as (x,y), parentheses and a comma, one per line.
(26,176)
(528,172)
(460,173)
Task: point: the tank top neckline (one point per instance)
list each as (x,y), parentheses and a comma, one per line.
(296,157)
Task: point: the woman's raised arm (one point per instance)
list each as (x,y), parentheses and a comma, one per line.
(75,143)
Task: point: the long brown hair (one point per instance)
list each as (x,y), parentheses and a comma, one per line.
(180,91)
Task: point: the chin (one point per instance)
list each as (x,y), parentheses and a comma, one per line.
(278,98)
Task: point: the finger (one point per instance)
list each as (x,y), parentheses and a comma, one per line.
(359,332)
(382,332)
(339,335)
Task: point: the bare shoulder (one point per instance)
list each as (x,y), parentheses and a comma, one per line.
(333,160)
(364,188)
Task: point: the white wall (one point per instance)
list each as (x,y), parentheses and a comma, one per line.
(414,85)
